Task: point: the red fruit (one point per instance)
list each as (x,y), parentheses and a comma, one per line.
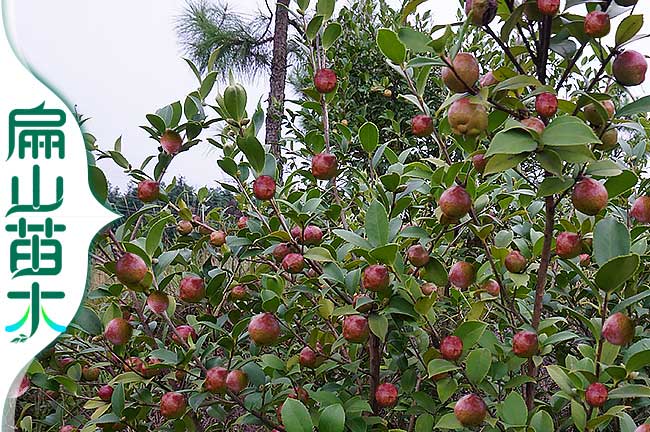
(548,7)
(480,162)
(525,344)
(355,328)
(451,348)
(158,302)
(312,235)
(68,428)
(418,255)
(546,104)
(515,262)
(428,288)
(464,75)
(309,358)
(594,117)
(324,166)
(470,410)
(462,275)
(618,329)
(481,12)
(130,269)
(134,364)
(242,222)
(217,238)
(325,80)
(641,209)
(105,393)
(597,24)
(264,329)
(643,428)
(455,202)
(467,118)
(282,250)
(293,263)
(386,395)
(489,80)
(300,394)
(492,287)
(192,289)
(596,395)
(148,191)
(90,373)
(630,68)
(171,142)
(296,233)
(264,188)
(236,381)
(375,278)
(172,405)
(184,227)
(422,125)
(589,196)
(568,245)
(535,124)
(215,380)
(118,331)
(238,292)
(185,332)
(585,260)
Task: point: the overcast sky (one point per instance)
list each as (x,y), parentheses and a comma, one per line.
(119,60)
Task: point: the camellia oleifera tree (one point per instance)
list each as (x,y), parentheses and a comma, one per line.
(498,285)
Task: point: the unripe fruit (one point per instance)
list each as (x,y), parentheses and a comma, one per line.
(293,263)
(451,348)
(185,332)
(418,255)
(609,140)
(479,161)
(585,260)
(386,395)
(215,380)
(264,329)
(264,188)
(158,302)
(242,222)
(130,269)
(325,80)
(105,393)
(192,289)
(596,395)
(68,428)
(422,125)
(630,68)
(148,191)
(548,7)
(618,329)
(489,80)
(455,202)
(470,410)
(184,227)
(118,331)
(592,115)
(546,104)
(90,373)
(309,358)
(462,275)
(467,118)
(525,344)
(312,235)
(492,287)
(589,196)
(236,381)
(428,288)
(375,278)
(282,250)
(464,75)
(171,142)
(324,166)
(217,238)
(515,262)
(535,124)
(388,93)
(172,405)
(568,245)
(481,12)
(641,209)
(597,24)
(238,292)
(355,328)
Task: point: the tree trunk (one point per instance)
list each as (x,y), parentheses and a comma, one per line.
(275,111)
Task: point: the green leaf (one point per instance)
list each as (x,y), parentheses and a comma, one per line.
(332,419)
(568,131)
(319,254)
(542,422)
(325,8)
(377,224)
(550,161)
(353,238)
(254,152)
(385,254)
(621,183)
(477,365)
(88,321)
(503,162)
(440,366)
(513,410)
(390,45)
(630,391)
(603,168)
(513,141)
(628,28)
(157,122)
(554,185)
(448,421)
(295,416)
(314,27)
(424,423)
(378,326)
(517,82)
(369,136)
(638,361)
(470,332)
(579,415)
(446,388)
(414,40)
(639,106)
(117,400)
(331,34)
(575,154)
(616,272)
(611,240)
(558,375)
(154,236)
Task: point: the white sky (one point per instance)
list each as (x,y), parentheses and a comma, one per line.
(120,60)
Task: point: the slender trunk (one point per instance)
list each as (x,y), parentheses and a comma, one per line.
(275,111)
(374,351)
